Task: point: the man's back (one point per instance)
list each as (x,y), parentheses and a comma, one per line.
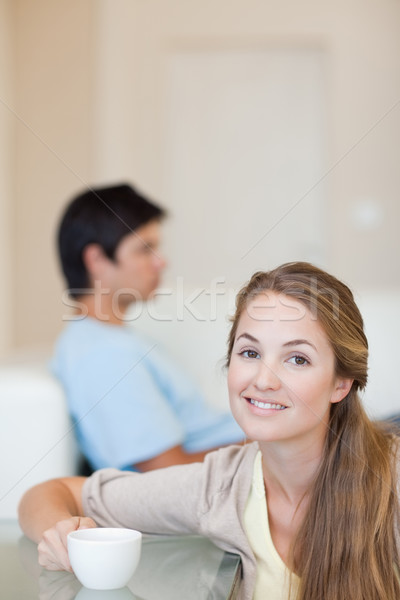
(128,401)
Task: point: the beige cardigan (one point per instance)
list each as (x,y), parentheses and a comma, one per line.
(206,498)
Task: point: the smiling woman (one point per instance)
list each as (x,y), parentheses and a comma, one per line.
(312,504)
(297,357)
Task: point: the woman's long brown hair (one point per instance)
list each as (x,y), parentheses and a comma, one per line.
(347,547)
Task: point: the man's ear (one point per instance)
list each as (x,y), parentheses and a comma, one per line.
(94,260)
(342,388)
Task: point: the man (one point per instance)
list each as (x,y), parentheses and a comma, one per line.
(132,408)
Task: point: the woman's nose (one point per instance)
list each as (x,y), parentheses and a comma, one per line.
(267,377)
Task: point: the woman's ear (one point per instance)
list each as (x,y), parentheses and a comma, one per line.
(342,388)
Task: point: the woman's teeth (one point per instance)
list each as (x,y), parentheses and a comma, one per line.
(266,405)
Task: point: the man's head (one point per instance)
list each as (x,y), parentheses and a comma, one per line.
(111,235)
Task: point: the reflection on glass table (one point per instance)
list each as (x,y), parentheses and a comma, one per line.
(187,567)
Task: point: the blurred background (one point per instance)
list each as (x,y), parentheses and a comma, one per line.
(269,130)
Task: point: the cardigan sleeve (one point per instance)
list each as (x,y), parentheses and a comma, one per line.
(153,502)
(166,501)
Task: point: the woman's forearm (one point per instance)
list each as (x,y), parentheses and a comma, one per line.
(47,503)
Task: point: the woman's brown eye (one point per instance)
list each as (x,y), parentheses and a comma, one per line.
(250,354)
(300,360)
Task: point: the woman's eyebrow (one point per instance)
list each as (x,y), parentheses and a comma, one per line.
(249,337)
(299,342)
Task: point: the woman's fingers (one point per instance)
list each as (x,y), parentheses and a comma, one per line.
(52,549)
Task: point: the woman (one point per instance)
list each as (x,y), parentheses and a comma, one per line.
(312,504)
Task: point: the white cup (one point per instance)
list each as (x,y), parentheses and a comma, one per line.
(104,558)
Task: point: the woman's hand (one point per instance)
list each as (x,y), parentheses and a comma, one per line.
(52,549)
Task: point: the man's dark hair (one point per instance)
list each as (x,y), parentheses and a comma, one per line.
(100,216)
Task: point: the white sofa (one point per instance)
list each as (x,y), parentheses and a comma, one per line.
(36,435)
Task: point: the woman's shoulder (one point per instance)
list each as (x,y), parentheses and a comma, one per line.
(231,465)
(234,454)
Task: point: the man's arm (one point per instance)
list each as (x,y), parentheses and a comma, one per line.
(173,456)
(47,513)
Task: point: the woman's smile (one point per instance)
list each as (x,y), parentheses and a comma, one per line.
(265,405)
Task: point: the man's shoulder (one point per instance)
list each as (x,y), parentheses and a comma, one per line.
(89,332)
(88,340)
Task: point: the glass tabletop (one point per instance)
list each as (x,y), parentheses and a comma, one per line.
(171,567)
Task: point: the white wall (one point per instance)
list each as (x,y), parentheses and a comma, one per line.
(244,135)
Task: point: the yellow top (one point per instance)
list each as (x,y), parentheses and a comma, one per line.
(273,576)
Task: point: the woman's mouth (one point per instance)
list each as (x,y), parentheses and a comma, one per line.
(266,405)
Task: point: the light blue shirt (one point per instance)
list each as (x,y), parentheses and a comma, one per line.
(128,401)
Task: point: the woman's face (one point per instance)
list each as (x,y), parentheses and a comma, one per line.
(281,375)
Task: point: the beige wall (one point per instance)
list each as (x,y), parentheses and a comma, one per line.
(89,91)
(7,149)
(54,78)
